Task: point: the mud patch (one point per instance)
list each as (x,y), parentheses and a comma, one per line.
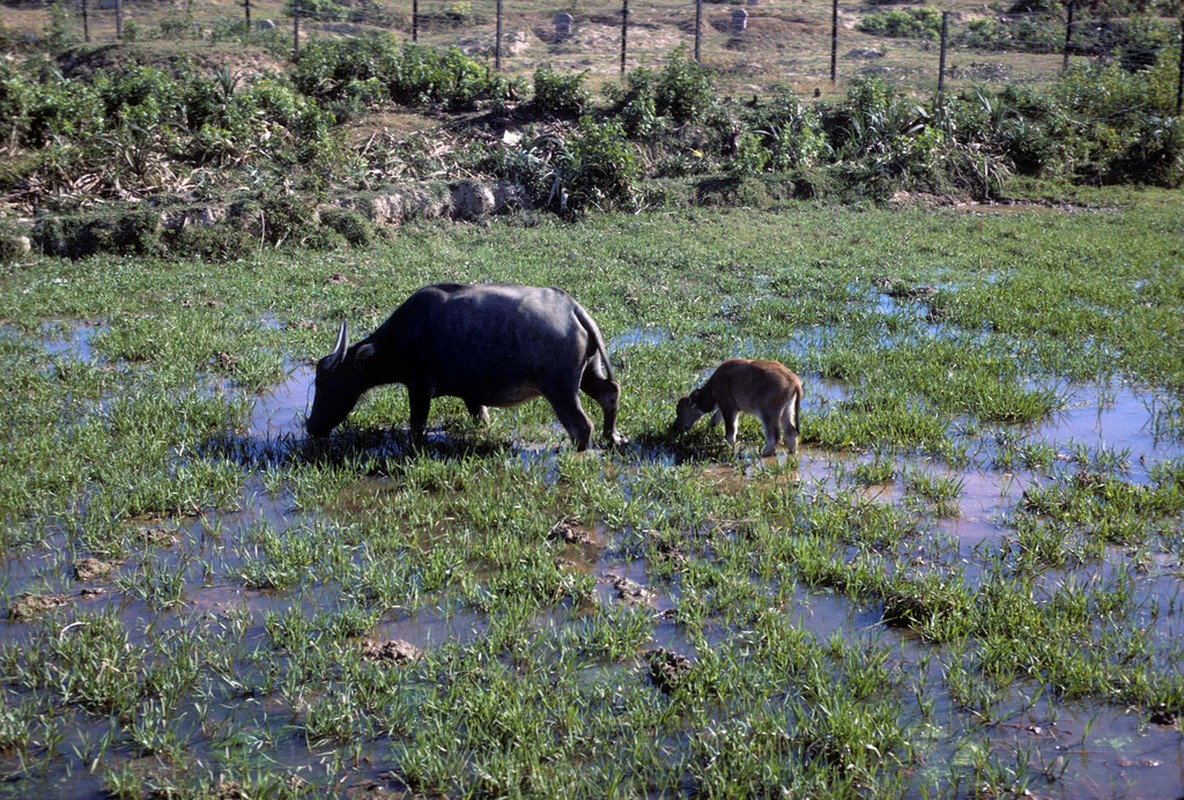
(394,651)
(30,606)
(92,569)
(667,669)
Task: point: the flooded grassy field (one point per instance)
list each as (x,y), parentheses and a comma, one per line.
(965,583)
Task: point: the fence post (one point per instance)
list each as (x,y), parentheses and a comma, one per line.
(1068,36)
(698,27)
(247,6)
(497,47)
(941,60)
(834,41)
(118,19)
(624,31)
(1180,75)
(415,20)
(85,23)
(295,28)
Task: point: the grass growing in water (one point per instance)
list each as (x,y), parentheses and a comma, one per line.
(665,619)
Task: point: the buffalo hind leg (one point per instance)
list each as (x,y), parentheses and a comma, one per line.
(607,395)
(480,413)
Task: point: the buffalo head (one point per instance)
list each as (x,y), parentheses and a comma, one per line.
(339,383)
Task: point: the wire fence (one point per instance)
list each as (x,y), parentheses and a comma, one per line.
(808,44)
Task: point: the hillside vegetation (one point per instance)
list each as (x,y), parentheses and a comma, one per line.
(366,129)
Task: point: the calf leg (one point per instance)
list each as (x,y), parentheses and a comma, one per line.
(729,417)
(607,395)
(790,425)
(770,423)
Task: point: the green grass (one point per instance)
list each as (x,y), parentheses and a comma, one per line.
(821,627)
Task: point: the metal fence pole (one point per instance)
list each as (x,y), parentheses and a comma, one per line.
(295,28)
(415,20)
(118,19)
(624,31)
(497,47)
(1068,36)
(834,41)
(247,6)
(85,23)
(698,27)
(1180,75)
(941,61)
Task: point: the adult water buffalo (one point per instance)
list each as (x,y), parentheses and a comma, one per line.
(489,345)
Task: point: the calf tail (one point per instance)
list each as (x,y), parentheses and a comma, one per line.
(797,410)
(594,336)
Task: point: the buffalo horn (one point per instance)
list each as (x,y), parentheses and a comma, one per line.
(339,348)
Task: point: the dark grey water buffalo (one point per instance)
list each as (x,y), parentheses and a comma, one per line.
(490,345)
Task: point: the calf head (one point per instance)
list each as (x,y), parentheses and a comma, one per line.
(339,383)
(690,409)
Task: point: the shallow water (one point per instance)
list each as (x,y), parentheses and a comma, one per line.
(1110,752)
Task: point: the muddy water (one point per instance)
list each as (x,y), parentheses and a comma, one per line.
(1110,752)
(281,411)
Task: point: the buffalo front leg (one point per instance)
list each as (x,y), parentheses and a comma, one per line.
(607,395)
(420,401)
(573,419)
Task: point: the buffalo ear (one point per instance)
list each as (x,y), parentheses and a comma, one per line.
(359,355)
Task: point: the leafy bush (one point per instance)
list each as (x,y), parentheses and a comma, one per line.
(596,168)
(353,227)
(681,92)
(1026,34)
(78,236)
(791,131)
(751,156)
(322,10)
(905,23)
(413,74)
(213,242)
(1154,154)
(560,95)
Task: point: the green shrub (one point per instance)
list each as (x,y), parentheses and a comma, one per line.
(322,10)
(560,95)
(413,74)
(905,23)
(1031,34)
(751,156)
(352,226)
(681,92)
(1154,155)
(685,89)
(597,168)
(216,243)
(791,131)
(78,236)
(12,246)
